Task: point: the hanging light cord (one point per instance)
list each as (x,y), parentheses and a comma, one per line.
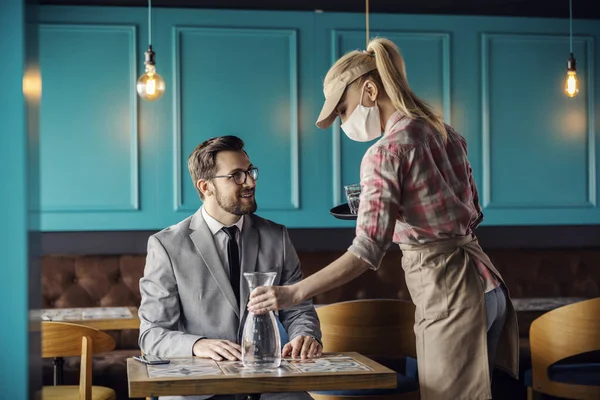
(570,26)
(367,18)
(149,22)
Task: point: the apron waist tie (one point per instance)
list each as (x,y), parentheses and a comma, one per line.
(441,246)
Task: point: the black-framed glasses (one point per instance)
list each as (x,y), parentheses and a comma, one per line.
(240,177)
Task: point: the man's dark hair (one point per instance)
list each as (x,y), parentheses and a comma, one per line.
(202,163)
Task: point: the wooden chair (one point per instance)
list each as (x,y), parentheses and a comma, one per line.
(61,339)
(381,329)
(560,334)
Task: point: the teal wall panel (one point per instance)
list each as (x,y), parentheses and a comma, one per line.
(265,116)
(259,74)
(538,143)
(89,117)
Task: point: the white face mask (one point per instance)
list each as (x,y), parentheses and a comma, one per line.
(364,124)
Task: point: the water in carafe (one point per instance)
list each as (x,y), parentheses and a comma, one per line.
(261,343)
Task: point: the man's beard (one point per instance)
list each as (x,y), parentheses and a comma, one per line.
(235,206)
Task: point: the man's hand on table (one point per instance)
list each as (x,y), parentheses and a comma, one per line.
(302,346)
(217,349)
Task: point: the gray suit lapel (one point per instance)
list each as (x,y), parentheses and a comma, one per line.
(203,239)
(250,242)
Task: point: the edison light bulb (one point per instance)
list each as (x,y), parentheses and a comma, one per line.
(151,85)
(571,85)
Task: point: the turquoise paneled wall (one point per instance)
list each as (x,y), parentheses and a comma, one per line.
(113,162)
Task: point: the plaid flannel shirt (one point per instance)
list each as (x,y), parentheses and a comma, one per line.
(415,189)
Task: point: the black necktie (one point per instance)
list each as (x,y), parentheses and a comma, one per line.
(233,255)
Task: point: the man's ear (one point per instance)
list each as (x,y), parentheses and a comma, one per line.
(204,187)
(371,90)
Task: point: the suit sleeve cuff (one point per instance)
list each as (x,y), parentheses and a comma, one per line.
(188,343)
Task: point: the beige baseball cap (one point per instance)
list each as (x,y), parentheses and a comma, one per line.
(334,90)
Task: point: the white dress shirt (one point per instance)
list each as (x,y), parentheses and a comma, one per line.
(221,237)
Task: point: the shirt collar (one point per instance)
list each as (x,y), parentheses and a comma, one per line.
(393,120)
(215,226)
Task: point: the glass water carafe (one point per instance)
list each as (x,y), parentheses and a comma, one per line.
(261,343)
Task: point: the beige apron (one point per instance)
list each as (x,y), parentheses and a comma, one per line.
(450,320)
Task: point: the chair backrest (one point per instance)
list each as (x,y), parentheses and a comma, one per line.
(62,339)
(374,327)
(561,333)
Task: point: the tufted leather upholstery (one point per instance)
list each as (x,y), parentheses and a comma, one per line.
(90,281)
(113,280)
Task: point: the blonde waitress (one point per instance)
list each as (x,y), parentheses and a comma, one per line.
(417,191)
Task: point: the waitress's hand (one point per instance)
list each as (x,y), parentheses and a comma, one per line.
(271,298)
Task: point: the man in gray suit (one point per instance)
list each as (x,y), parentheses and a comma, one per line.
(193,293)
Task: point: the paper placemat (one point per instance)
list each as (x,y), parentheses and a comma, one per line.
(190,367)
(237,368)
(184,368)
(329,364)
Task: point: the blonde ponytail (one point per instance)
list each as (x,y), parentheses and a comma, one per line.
(392,71)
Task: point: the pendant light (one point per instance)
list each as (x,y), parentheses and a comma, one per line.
(367,21)
(151,85)
(571,84)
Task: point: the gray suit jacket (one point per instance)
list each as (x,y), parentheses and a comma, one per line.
(186,294)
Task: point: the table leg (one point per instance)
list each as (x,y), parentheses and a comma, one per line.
(58,363)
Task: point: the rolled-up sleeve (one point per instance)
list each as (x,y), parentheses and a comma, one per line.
(380,179)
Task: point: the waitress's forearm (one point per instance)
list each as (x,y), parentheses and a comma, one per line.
(339,272)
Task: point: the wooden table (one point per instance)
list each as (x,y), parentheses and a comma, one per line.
(98,321)
(543,304)
(208,377)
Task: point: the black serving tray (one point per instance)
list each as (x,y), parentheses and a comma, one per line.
(342,212)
